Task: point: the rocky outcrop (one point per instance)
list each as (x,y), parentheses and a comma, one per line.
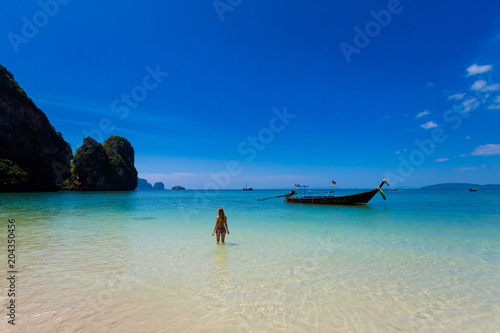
(107,167)
(159,186)
(93,170)
(178,187)
(33,157)
(143,185)
(121,156)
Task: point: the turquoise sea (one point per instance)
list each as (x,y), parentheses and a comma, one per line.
(421,261)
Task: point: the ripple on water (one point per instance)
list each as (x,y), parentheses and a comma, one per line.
(147,262)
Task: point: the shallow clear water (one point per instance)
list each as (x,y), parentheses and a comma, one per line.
(422,261)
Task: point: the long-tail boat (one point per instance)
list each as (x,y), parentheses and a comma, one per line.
(330,198)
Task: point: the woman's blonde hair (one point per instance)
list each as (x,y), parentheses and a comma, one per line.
(222,216)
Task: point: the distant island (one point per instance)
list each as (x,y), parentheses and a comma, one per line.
(178,187)
(36,158)
(144,185)
(461,186)
(158,186)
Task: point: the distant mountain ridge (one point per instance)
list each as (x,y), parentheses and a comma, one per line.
(461,186)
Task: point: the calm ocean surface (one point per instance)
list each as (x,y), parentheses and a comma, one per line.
(422,261)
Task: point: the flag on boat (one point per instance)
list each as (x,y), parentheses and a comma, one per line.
(333,183)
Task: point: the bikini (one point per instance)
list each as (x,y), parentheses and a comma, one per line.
(221,229)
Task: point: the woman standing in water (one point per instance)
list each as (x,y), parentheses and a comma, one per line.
(221,225)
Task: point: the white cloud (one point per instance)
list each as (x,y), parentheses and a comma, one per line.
(467,137)
(497,105)
(398,152)
(475,69)
(423,113)
(481,86)
(442,159)
(470,104)
(456,96)
(429,85)
(463,155)
(478,85)
(429,125)
(489,149)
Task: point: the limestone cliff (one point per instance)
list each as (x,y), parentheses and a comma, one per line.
(93,170)
(121,156)
(33,157)
(108,167)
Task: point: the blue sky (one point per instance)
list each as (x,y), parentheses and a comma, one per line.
(216,94)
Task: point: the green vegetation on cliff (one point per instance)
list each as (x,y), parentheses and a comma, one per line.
(12,176)
(104,167)
(93,169)
(121,156)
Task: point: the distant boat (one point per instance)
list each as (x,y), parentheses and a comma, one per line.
(330,198)
(246,188)
(473,189)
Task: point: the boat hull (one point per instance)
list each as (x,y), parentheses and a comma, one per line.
(353,199)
